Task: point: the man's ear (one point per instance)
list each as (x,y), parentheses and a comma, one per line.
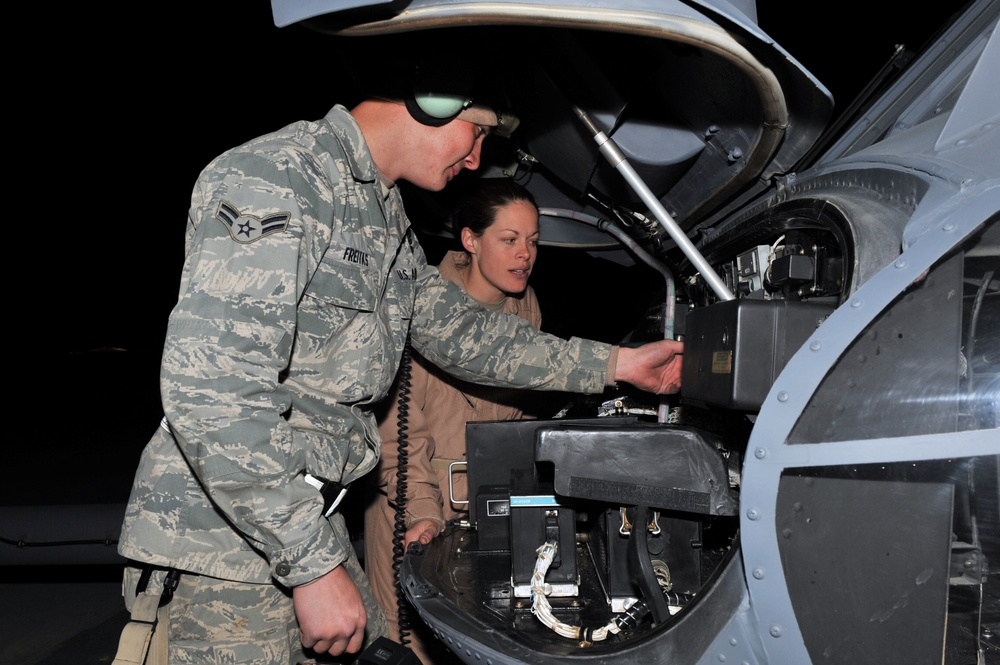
(468,240)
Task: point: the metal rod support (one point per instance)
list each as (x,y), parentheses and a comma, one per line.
(618,160)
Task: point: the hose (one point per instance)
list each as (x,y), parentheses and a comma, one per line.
(663,412)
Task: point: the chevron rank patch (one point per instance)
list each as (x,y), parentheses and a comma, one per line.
(249,228)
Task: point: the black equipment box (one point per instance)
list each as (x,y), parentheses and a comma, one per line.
(734,350)
(536,517)
(493,522)
(497,447)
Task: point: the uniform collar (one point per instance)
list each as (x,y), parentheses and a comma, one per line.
(348,133)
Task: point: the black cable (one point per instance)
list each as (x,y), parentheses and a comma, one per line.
(399,523)
(973,321)
(21,543)
(637,611)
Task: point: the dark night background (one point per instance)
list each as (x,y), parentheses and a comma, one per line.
(112,111)
(115,116)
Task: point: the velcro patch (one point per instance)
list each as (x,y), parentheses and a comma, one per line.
(246,228)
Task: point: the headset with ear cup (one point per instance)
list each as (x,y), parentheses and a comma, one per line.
(439,94)
(436,109)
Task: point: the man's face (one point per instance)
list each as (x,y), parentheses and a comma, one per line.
(441,153)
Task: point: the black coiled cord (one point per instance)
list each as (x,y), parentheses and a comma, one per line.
(399,523)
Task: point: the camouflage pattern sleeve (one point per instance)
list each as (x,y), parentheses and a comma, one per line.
(474,344)
(296,299)
(255,238)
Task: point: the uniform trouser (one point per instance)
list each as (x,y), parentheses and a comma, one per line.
(213,621)
(379,518)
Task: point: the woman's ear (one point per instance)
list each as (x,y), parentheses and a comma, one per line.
(468,240)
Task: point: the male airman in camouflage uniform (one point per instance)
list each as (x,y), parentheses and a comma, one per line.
(301,283)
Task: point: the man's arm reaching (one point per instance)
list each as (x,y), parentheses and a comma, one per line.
(653,367)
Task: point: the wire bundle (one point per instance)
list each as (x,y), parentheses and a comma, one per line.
(541,608)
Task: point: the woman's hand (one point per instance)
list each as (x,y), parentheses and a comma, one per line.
(423,531)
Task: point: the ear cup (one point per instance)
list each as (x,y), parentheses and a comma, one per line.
(436,109)
(441,106)
(440,92)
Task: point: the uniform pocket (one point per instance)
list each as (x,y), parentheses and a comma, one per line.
(339,335)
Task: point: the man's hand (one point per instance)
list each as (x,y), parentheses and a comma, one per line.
(423,532)
(331,614)
(653,367)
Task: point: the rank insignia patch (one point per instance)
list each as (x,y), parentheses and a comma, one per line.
(248,228)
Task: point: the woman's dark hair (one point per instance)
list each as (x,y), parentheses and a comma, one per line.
(478,209)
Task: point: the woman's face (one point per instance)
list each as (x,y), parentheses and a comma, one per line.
(502,257)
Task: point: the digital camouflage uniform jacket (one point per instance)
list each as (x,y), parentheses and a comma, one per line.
(301,281)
